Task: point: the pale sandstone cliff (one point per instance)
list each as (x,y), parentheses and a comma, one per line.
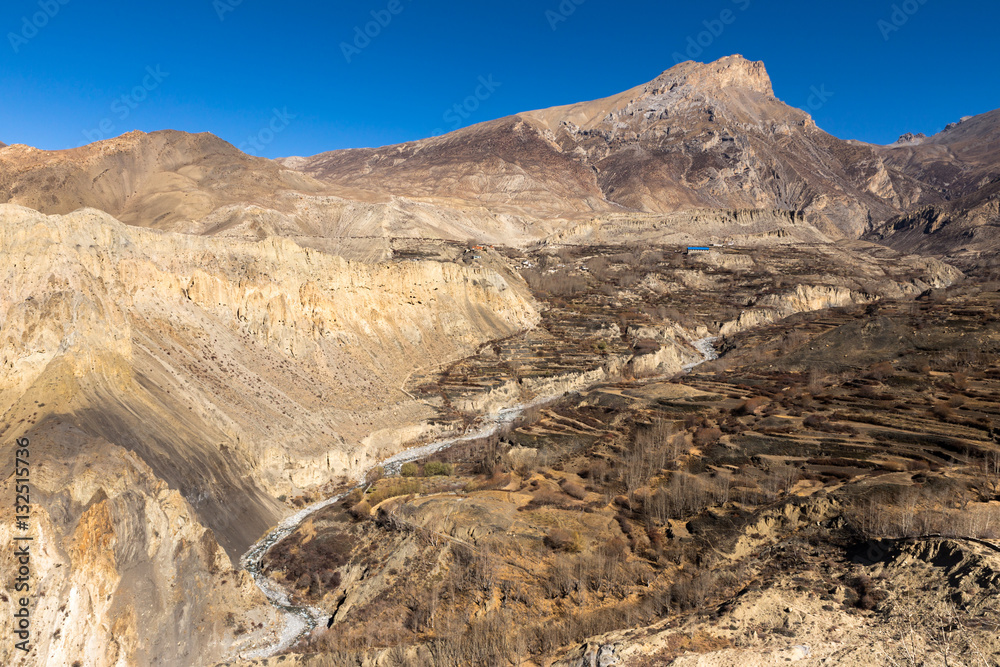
(190,381)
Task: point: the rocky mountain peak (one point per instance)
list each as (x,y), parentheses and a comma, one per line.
(910,138)
(733,71)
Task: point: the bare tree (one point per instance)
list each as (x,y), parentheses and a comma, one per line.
(654,448)
(989,476)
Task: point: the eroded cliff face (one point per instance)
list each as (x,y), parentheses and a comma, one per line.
(173,386)
(124,572)
(918,274)
(964,231)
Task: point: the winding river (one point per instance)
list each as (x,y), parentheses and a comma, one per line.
(301,620)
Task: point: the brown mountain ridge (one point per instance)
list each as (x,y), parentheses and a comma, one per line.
(698,137)
(704,152)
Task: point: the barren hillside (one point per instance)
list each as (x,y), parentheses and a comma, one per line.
(951,164)
(965,230)
(698,137)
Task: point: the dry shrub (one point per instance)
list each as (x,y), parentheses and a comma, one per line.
(943,411)
(393,489)
(360,511)
(751,406)
(814,421)
(560,539)
(868,594)
(656,541)
(353,498)
(869,392)
(707,436)
(543,498)
(645,346)
(489,484)
(960,379)
(598,267)
(312,566)
(880,371)
(573,489)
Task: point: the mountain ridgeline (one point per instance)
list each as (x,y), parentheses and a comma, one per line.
(701,140)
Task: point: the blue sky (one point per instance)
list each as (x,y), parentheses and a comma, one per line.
(275,78)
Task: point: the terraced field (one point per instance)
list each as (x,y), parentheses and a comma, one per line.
(829,487)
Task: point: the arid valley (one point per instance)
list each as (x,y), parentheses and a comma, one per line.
(673,377)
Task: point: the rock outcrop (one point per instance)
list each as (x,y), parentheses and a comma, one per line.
(965,231)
